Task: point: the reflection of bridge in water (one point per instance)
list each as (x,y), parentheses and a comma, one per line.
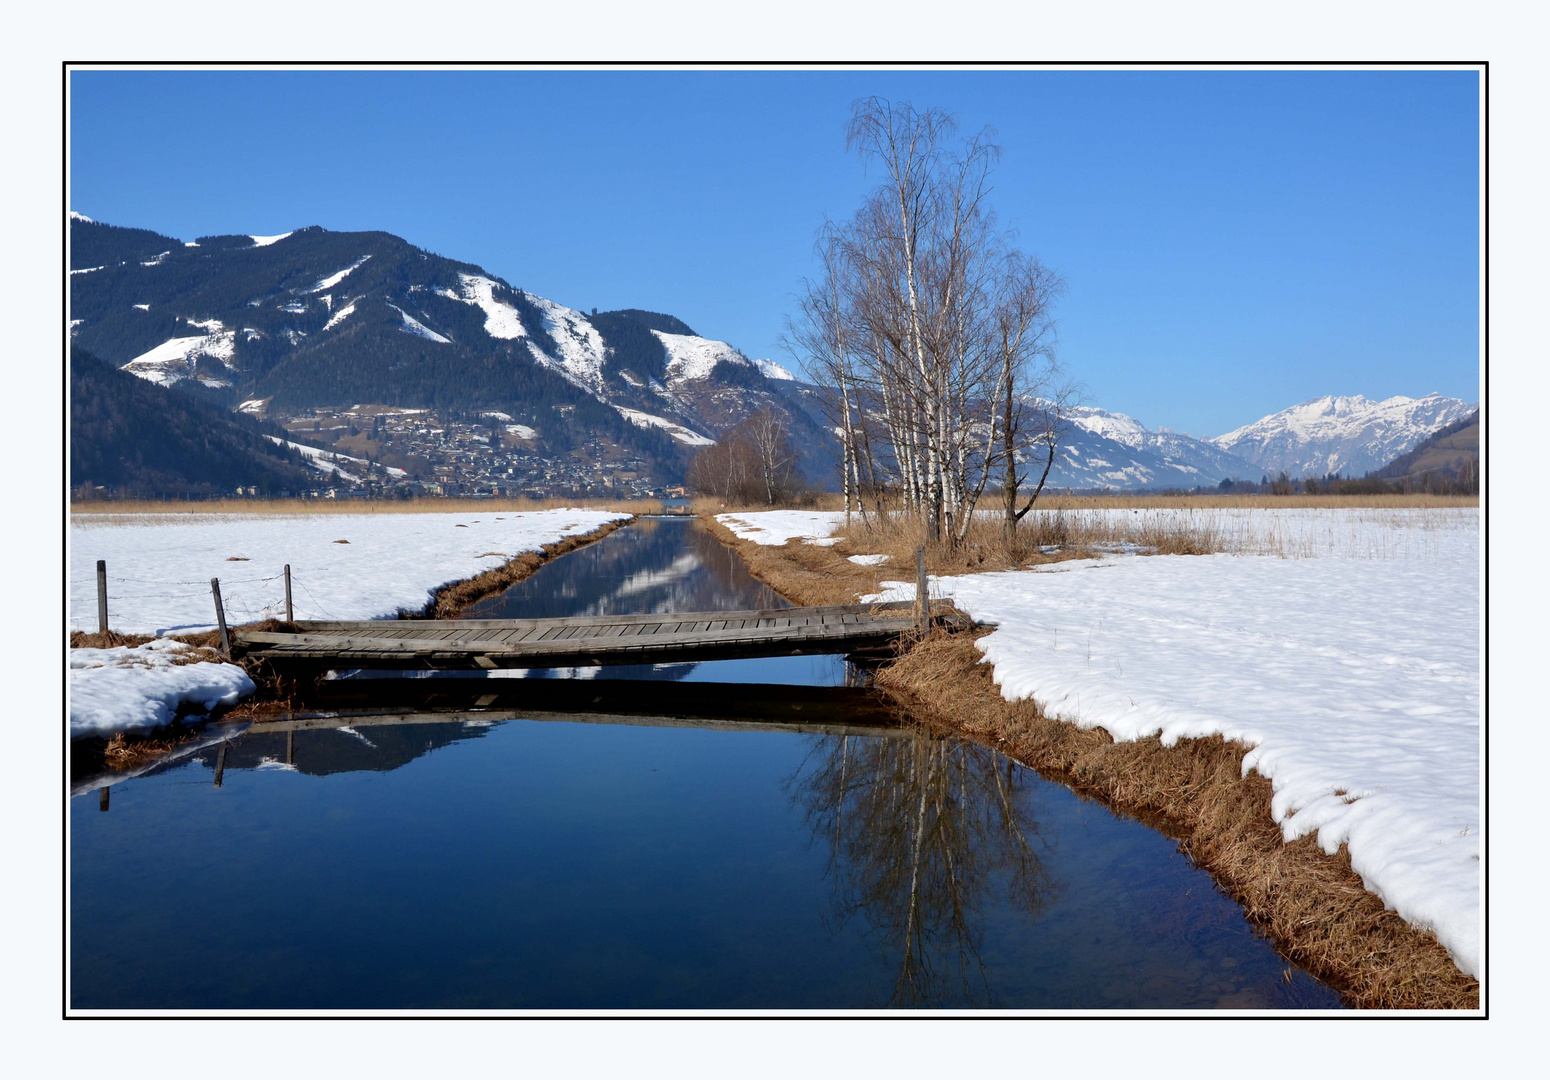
(379,725)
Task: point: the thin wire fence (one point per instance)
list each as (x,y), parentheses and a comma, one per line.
(247,599)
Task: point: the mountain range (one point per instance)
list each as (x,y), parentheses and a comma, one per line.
(286,326)
(1103,450)
(278,324)
(1351,436)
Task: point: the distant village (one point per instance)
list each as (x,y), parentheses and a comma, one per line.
(382,451)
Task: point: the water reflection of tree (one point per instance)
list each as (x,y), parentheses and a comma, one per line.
(923,833)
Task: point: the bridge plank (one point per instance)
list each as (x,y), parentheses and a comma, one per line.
(611,639)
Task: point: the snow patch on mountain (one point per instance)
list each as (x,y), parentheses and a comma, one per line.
(334,279)
(579,344)
(265,241)
(771,370)
(175,359)
(500,320)
(678,431)
(155,260)
(690,358)
(81,217)
(341,315)
(415,326)
(326,461)
(1350,435)
(88,270)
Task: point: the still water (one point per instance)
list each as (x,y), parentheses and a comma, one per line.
(477,861)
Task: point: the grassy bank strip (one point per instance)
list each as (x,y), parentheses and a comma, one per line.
(1313,906)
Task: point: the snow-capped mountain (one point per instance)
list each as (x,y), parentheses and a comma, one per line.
(313,317)
(1351,436)
(1105,449)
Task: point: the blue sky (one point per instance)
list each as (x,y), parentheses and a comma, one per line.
(1232,242)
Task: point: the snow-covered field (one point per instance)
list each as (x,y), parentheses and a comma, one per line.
(1342,645)
(160,566)
(772,528)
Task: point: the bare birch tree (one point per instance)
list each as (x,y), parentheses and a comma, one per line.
(932,333)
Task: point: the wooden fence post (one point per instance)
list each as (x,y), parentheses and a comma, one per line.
(102,596)
(289,617)
(922,591)
(102,800)
(220,615)
(220,765)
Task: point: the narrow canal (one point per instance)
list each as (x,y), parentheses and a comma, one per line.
(490,860)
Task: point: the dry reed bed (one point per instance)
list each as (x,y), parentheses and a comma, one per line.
(813,570)
(292,507)
(1313,906)
(1157,501)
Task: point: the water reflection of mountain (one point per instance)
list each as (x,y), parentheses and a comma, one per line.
(321,751)
(654,565)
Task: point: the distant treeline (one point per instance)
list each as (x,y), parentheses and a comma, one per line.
(1438,482)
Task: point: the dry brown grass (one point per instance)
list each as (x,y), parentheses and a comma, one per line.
(1154,501)
(1312,905)
(112,639)
(283,507)
(825,572)
(126,751)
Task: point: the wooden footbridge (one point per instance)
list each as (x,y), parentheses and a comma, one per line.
(587,641)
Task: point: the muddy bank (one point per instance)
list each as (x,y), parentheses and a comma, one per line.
(1313,906)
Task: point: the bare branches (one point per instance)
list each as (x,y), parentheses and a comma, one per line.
(931,332)
(753,462)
